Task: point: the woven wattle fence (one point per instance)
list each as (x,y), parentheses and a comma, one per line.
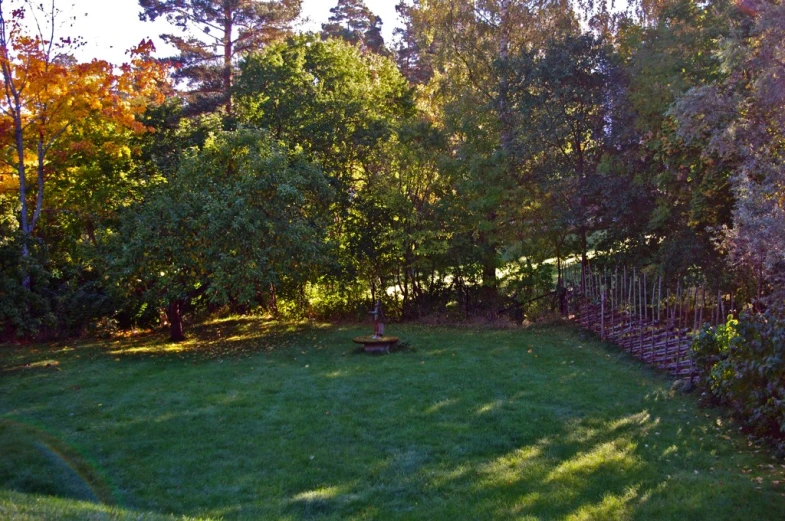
(642,315)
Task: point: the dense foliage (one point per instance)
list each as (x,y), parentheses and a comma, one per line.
(743,364)
(453,172)
(239,221)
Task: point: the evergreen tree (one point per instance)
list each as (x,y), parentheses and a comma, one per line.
(352,21)
(215,34)
(413,57)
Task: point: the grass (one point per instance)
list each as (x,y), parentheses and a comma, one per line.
(256,420)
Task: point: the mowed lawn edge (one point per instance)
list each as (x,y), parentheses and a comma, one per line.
(251,419)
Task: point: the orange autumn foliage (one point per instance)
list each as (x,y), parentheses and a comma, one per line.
(59,97)
(51,105)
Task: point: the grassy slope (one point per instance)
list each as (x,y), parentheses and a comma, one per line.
(252,420)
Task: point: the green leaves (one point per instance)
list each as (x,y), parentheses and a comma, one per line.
(240,215)
(327,97)
(739,121)
(743,366)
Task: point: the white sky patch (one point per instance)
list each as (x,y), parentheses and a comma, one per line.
(110,27)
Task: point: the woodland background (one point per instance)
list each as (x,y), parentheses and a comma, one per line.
(450,172)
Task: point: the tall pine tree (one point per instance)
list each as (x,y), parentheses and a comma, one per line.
(214,34)
(351,20)
(413,57)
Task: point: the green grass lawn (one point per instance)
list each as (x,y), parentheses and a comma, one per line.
(253,420)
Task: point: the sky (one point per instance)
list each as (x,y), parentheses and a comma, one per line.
(110,27)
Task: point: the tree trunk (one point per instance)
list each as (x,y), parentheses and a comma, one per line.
(175,315)
(274,302)
(489,261)
(228,51)
(24,224)
(404,284)
(560,290)
(490,290)
(584,259)
(27,281)
(503,100)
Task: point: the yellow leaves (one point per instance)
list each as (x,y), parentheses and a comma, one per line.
(116,150)
(64,101)
(8,182)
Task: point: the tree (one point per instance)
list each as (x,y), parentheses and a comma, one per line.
(469,44)
(412,56)
(352,21)
(738,121)
(399,224)
(241,216)
(561,94)
(49,101)
(342,107)
(225,30)
(327,97)
(666,196)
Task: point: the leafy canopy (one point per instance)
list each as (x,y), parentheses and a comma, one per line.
(240,214)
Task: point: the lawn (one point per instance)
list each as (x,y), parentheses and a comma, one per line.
(255,420)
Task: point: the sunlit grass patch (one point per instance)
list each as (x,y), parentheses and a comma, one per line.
(219,338)
(318,494)
(48,363)
(616,454)
(612,506)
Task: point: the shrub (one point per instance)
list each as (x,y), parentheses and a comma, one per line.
(742,363)
(24,312)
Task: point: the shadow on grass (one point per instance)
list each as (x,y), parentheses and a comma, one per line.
(471,426)
(20,506)
(35,461)
(583,470)
(588,470)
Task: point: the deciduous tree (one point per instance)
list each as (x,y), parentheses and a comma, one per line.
(562,95)
(241,215)
(469,44)
(50,102)
(327,97)
(739,120)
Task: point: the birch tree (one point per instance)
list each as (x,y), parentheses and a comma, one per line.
(46,94)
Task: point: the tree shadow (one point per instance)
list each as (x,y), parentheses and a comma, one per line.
(394,437)
(35,461)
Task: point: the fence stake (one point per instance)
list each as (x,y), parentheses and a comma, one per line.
(602,314)
(645,298)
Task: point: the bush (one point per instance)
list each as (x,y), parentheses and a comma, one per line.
(58,301)
(742,363)
(24,312)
